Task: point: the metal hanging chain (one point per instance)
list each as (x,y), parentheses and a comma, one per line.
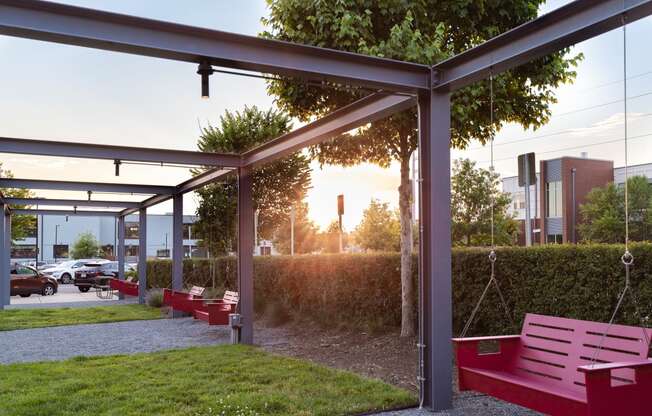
(627,257)
(492,253)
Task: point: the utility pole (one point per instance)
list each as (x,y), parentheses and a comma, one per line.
(527,175)
(292,218)
(340,213)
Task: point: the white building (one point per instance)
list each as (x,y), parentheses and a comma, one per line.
(56,235)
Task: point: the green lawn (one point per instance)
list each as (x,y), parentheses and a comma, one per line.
(43,317)
(219,380)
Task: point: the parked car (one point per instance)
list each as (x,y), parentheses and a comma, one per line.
(94,274)
(26,280)
(65,272)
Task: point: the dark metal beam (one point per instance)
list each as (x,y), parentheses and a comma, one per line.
(84,186)
(563,27)
(123,153)
(142,255)
(368,109)
(78,213)
(435,307)
(183,188)
(70,202)
(246,254)
(116,32)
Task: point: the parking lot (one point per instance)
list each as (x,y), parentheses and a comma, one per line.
(66,294)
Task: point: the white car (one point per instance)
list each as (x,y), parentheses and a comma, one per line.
(65,271)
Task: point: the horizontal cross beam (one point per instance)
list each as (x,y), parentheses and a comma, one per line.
(70,202)
(190,185)
(566,26)
(78,213)
(84,186)
(123,153)
(359,113)
(121,33)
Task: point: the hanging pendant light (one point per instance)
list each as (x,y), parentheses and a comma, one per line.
(205,70)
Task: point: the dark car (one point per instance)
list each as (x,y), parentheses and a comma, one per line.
(26,280)
(95,274)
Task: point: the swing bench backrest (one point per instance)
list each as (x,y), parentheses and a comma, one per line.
(552,349)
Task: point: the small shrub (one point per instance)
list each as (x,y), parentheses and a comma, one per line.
(155,298)
(276,314)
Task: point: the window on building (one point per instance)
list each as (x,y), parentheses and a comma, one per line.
(23,251)
(553,197)
(163,253)
(518,200)
(131,251)
(131,230)
(200,252)
(186,231)
(107,250)
(60,251)
(265,251)
(555,239)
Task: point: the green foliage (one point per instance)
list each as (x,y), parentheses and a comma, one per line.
(603,213)
(575,281)
(85,247)
(21,225)
(11,320)
(306,233)
(380,228)
(216,380)
(276,186)
(472,192)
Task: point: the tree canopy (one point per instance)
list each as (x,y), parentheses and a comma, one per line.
(426,32)
(603,213)
(276,186)
(21,225)
(379,229)
(472,192)
(85,247)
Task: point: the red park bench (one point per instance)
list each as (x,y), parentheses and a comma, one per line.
(182,301)
(562,366)
(216,311)
(127,287)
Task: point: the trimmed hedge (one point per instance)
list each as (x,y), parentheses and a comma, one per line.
(575,281)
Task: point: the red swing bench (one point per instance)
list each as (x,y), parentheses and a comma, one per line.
(183,301)
(216,311)
(552,367)
(126,287)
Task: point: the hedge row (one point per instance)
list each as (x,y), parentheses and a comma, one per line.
(575,281)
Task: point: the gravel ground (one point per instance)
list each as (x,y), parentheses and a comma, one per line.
(58,343)
(470,404)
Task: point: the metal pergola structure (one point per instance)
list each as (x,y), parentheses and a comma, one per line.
(397,85)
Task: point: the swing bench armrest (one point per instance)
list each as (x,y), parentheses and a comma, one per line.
(499,338)
(594,368)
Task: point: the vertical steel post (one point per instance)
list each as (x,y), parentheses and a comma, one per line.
(528,216)
(177,242)
(7,258)
(142,254)
(4,268)
(435,222)
(121,252)
(245,254)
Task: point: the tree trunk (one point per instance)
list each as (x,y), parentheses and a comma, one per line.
(407,282)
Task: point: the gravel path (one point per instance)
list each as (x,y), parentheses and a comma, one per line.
(58,343)
(471,404)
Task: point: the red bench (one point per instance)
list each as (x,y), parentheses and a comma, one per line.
(182,301)
(216,311)
(549,367)
(127,287)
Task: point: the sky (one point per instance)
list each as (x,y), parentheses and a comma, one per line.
(59,92)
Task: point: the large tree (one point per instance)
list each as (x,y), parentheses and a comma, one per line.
(473,190)
(276,186)
(423,31)
(603,213)
(379,229)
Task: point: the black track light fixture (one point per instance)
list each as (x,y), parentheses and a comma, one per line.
(117,164)
(205,70)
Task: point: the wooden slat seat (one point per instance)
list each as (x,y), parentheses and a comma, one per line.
(549,367)
(216,311)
